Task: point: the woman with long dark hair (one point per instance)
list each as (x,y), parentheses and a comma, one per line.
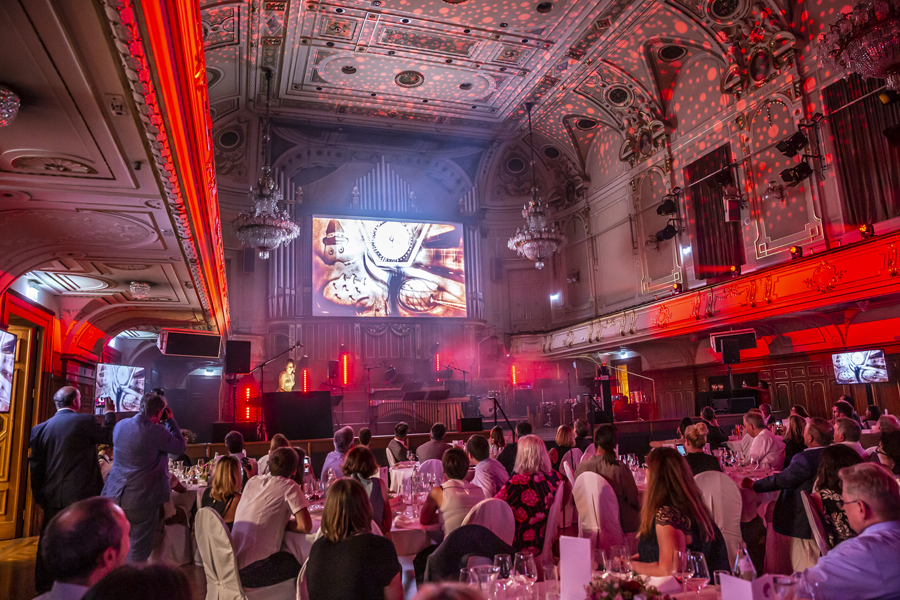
(828,490)
(793,438)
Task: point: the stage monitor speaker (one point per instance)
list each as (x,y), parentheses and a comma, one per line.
(237,357)
(247,429)
(333,369)
(471,424)
(746,338)
(737,406)
(731,351)
(298,415)
(176,342)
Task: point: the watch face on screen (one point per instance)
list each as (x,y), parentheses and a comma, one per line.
(392,241)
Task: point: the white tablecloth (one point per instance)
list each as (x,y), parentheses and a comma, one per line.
(399,477)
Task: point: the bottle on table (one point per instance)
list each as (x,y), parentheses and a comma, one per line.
(743,566)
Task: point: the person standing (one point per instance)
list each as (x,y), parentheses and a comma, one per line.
(139,479)
(63,462)
(286,378)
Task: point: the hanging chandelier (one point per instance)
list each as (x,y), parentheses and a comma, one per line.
(865,41)
(537,240)
(139,289)
(266,226)
(9,106)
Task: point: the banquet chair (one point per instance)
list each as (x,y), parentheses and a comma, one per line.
(390,458)
(722,497)
(433,467)
(598,511)
(496,515)
(573,457)
(589,452)
(815,523)
(223,581)
(173,546)
(546,556)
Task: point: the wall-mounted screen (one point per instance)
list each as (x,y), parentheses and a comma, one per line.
(862,366)
(7,368)
(373,268)
(125,385)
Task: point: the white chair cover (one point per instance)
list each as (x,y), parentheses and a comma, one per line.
(589,452)
(723,499)
(432,467)
(496,515)
(384,474)
(815,523)
(598,511)
(572,457)
(570,464)
(390,458)
(570,475)
(173,547)
(552,526)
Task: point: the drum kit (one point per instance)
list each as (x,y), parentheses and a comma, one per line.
(486,405)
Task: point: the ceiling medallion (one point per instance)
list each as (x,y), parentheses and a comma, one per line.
(865,41)
(409,79)
(9,106)
(139,290)
(52,164)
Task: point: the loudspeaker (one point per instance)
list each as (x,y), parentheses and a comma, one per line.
(471,424)
(333,369)
(298,415)
(247,429)
(176,342)
(237,357)
(731,351)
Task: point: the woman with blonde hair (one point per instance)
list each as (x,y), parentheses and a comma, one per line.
(530,493)
(565,441)
(349,561)
(694,444)
(224,494)
(674,517)
(793,438)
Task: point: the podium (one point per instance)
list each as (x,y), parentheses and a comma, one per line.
(298,415)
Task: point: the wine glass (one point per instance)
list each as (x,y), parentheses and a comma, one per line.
(785,587)
(682,569)
(754,463)
(699,579)
(504,563)
(807,589)
(525,569)
(600,560)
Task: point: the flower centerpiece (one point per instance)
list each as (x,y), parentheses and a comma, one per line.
(622,589)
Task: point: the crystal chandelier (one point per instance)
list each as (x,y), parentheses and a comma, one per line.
(865,41)
(139,290)
(266,226)
(538,240)
(9,106)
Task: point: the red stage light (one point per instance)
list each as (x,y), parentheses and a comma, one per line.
(512,373)
(676,288)
(866,231)
(796,252)
(734,270)
(345,368)
(437,362)
(304,378)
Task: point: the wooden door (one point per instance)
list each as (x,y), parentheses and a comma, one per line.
(527,300)
(13,446)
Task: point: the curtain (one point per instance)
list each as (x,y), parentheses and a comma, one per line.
(869,167)
(716,242)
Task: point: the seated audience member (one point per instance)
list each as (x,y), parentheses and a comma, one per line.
(715,436)
(800,411)
(365,437)
(682,427)
(767,448)
(582,435)
(224,495)
(888,451)
(262,517)
(83,543)
(277,441)
(434,448)
(747,439)
(848,433)
(863,567)
(397,446)
(674,518)
(840,409)
(454,498)
(448,591)
(796,549)
(827,494)
(105,458)
(361,466)
(793,438)
(234,443)
(849,400)
(349,561)
(489,473)
(887,423)
(606,464)
(694,443)
(873,413)
(189,438)
(530,494)
(766,409)
(498,441)
(507,456)
(343,441)
(565,441)
(142,582)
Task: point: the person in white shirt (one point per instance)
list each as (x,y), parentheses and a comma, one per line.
(864,567)
(767,448)
(848,432)
(234,443)
(262,517)
(105,458)
(278,441)
(82,544)
(343,441)
(490,475)
(454,498)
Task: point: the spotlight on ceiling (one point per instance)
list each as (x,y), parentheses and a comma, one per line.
(792,146)
(676,288)
(795,175)
(667,232)
(866,231)
(796,252)
(669,205)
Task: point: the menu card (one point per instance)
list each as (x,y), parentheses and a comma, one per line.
(574,567)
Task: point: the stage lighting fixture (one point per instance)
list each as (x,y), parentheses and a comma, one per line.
(796,175)
(667,207)
(676,288)
(303,367)
(796,252)
(735,270)
(512,375)
(667,232)
(437,361)
(724,177)
(435,348)
(792,146)
(866,231)
(889,97)
(344,366)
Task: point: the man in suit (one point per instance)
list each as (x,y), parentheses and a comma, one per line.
(792,548)
(139,479)
(436,446)
(63,461)
(507,456)
(397,446)
(716,437)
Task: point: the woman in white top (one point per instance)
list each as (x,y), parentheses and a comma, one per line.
(455,497)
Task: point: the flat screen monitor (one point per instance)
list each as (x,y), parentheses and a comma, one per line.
(377,268)
(7,368)
(861,366)
(125,385)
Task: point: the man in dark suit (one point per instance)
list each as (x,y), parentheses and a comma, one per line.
(507,456)
(139,479)
(716,437)
(798,551)
(63,461)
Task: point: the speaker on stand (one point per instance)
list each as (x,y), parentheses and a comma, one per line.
(237,362)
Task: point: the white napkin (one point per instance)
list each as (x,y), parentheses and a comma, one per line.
(666,585)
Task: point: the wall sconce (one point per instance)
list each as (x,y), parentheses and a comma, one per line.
(574,277)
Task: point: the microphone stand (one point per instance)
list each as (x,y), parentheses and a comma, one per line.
(368,369)
(261,425)
(464,373)
(512,430)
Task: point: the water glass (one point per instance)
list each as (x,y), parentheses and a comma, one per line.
(504,563)
(482,578)
(807,590)
(524,568)
(699,578)
(551,582)
(718,579)
(785,587)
